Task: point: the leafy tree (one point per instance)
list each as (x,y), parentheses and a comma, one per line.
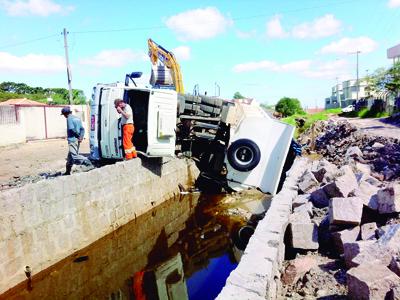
(289,106)
(384,80)
(238,95)
(9,90)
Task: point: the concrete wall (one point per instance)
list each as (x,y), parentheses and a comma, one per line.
(258,274)
(12,134)
(42,223)
(40,122)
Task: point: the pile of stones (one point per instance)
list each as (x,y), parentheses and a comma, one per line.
(336,140)
(347,213)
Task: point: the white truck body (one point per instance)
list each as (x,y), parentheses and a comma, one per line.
(154,114)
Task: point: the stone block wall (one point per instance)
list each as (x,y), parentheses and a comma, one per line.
(42,223)
(258,274)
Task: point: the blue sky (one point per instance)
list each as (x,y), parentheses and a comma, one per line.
(264,49)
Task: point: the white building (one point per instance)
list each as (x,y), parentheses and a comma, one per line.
(345,93)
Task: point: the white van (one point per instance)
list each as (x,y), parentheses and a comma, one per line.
(154,115)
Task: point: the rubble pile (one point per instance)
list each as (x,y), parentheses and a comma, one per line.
(341,143)
(352,219)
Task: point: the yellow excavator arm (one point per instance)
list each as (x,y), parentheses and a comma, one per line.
(158,54)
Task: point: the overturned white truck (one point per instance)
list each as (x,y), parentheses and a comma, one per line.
(233,150)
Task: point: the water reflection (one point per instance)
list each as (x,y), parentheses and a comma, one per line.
(181,249)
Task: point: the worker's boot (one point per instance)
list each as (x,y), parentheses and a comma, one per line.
(68,169)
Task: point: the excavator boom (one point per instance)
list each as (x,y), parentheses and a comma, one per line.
(158,54)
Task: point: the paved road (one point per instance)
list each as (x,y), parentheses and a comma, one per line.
(374,127)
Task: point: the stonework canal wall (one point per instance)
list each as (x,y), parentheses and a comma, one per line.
(44,222)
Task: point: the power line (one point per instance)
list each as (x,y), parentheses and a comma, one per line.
(160,27)
(28,41)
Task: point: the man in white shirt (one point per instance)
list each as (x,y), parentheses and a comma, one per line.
(127,127)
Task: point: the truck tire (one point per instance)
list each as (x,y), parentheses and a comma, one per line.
(194,107)
(211,101)
(210,109)
(192,98)
(244,155)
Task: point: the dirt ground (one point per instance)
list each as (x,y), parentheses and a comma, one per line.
(33,158)
(374,127)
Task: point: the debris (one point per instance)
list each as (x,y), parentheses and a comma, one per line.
(345,211)
(307,182)
(319,198)
(300,200)
(342,185)
(298,268)
(389,199)
(345,236)
(368,231)
(351,250)
(371,281)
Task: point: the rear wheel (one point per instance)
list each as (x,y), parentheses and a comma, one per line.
(244,155)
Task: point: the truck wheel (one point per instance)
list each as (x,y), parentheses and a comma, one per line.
(244,155)
(211,101)
(192,98)
(210,109)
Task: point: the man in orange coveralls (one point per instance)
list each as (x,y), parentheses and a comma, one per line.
(127,127)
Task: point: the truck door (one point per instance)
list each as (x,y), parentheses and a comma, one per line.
(162,123)
(110,123)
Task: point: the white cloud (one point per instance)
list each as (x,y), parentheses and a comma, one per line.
(321,27)
(246,34)
(275,29)
(272,66)
(199,24)
(346,45)
(182,52)
(41,8)
(113,58)
(304,68)
(31,63)
(394,3)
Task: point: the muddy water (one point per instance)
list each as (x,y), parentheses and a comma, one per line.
(181,249)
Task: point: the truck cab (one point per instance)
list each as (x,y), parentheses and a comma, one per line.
(154,115)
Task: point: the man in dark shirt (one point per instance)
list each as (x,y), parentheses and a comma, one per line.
(75,134)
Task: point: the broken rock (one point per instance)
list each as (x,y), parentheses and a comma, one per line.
(319,198)
(307,182)
(304,236)
(351,250)
(368,193)
(308,207)
(345,211)
(354,152)
(342,185)
(298,268)
(368,231)
(389,199)
(394,265)
(382,250)
(324,171)
(300,200)
(345,236)
(371,281)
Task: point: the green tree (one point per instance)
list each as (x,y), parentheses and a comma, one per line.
(9,90)
(238,95)
(384,80)
(289,106)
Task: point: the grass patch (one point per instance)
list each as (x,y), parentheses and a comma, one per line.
(309,119)
(366,113)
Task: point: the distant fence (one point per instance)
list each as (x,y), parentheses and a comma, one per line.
(8,115)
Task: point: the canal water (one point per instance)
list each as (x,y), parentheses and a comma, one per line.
(182,249)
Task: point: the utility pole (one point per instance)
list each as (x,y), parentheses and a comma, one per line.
(65,32)
(357,80)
